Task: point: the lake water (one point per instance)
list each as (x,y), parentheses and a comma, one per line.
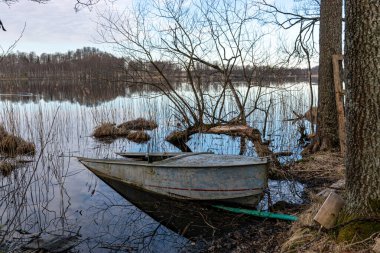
(55,194)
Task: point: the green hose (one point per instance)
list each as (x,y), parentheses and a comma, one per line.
(259,213)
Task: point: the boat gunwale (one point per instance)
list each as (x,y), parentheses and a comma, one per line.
(155,154)
(162,163)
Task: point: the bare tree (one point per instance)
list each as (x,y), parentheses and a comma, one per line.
(329,16)
(5,51)
(304,17)
(207,41)
(362,63)
(330,43)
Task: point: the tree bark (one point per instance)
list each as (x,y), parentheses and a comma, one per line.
(179,138)
(363,118)
(330,43)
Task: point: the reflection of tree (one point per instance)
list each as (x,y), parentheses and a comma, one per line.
(89,76)
(193,220)
(124,227)
(34,200)
(83,92)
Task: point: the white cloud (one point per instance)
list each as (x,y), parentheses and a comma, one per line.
(50,27)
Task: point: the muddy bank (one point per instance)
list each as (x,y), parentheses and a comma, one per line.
(322,172)
(317,172)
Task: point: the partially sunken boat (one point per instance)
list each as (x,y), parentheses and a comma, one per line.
(188,176)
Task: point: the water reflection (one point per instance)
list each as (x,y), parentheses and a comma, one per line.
(74,202)
(55,194)
(81,91)
(197,220)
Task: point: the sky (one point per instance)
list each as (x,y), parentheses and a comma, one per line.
(51,27)
(54,26)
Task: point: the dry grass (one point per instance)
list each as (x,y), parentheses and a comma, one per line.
(105,130)
(26,148)
(6,167)
(326,166)
(122,132)
(304,232)
(11,145)
(306,236)
(132,130)
(318,171)
(138,124)
(3,132)
(138,136)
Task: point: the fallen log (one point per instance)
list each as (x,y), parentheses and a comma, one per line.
(179,138)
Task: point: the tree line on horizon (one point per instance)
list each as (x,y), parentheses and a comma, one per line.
(91,63)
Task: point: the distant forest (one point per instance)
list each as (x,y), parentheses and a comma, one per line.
(90,63)
(89,76)
(85,63)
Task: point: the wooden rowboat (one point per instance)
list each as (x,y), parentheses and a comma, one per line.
(190,176)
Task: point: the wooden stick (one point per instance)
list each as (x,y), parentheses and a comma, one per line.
(339,96)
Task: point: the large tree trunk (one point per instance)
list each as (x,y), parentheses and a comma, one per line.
(330,42)
(363,118)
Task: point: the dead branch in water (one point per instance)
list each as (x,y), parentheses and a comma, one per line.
(179,138)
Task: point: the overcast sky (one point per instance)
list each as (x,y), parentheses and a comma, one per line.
(54,26)
(51,27)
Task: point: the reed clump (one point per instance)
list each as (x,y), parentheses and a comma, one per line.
(105,130)
(138,136)
(11,145)
(3,132)
(133,130)
(138,124)
(6,167)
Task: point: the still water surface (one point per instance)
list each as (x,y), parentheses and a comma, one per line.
(54,193)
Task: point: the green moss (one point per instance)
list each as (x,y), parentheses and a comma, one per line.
(375,205)
(358,230)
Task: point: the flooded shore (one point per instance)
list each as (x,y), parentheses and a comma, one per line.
(55,194)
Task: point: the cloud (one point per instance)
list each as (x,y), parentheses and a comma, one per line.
(51,26)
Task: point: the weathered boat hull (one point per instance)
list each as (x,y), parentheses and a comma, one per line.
(241,183)
(191,219)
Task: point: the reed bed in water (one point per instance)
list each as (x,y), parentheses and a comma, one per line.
(138,124)
(6,167)
(138,136)
(37,199)
(132,130)
(11,145)
(33,198)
